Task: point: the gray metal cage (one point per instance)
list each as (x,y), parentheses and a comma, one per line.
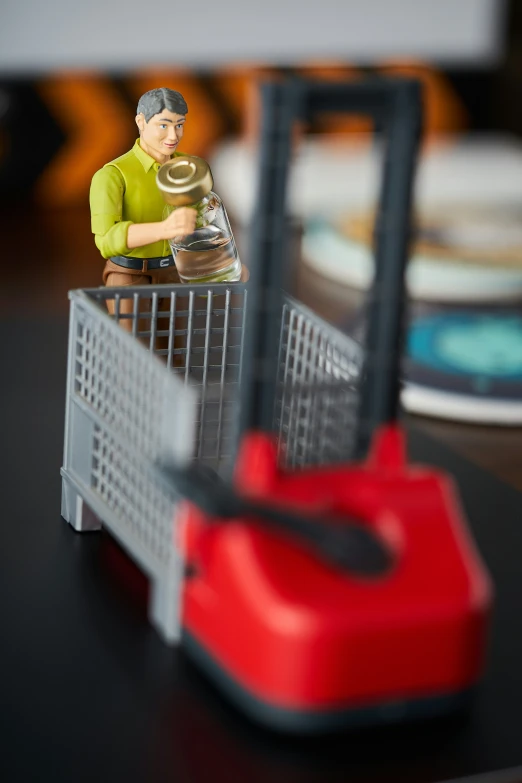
(156,370)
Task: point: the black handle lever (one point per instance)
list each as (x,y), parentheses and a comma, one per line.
(347,544)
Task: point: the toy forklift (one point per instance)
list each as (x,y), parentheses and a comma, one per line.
(343,594)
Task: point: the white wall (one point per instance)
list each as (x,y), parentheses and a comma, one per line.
(39,35)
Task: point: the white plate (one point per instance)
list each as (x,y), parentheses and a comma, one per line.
(350,263)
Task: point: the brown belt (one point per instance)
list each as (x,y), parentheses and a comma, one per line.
(143,264)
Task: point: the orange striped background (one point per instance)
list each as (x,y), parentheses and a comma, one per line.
(95,112)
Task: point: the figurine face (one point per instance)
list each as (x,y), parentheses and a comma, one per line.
(160,136)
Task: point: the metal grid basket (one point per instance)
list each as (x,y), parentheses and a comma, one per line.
(167,357)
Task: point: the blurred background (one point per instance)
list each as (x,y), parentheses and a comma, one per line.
(70,78)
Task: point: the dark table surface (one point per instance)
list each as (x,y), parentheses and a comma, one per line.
(88,691)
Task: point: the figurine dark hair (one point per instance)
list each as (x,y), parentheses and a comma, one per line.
(155,101)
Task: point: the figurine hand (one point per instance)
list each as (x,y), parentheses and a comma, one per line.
(179,223)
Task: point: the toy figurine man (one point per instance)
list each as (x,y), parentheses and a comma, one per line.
(127,206)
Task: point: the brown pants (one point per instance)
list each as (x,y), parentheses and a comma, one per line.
(115,276)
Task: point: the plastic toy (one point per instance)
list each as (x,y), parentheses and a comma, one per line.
(317,590)
(126,206)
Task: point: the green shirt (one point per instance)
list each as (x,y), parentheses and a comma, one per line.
(123,192)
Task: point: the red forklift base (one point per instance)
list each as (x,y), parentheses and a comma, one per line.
(302,646)
(302,721)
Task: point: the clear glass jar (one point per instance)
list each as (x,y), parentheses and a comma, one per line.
(209,254)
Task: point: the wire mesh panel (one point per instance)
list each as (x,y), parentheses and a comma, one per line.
(317,398)
(198,333)
(125,413)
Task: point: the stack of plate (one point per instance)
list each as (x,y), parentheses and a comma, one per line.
(464,358)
